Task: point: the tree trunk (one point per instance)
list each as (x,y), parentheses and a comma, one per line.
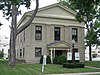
(13,36)
(90,55)
(14,32)
(89,42)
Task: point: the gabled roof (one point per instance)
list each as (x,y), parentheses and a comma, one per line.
(54,5)
(48,11)
(59,44)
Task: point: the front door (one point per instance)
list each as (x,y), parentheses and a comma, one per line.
(58,52)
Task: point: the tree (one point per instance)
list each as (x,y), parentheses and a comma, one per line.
(1,24)
(1,54)
(10,9)
(87,11)
(94,34)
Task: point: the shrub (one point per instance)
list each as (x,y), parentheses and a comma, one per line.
(1,54)
(80,65)
(94,55)
(41,59)
(65,65)
(73,65)
(55,60)
(48,60)
(70,61)
(59,59)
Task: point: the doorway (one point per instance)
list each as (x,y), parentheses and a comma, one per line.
(58,52)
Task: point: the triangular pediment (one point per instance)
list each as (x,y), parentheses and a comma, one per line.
(60,44)
(55,10)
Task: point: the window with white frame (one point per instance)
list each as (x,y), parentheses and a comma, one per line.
(75,34)
(57,33)
(38,33)
(38,51)
(20,53)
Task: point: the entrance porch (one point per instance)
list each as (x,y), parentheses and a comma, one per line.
(58,48)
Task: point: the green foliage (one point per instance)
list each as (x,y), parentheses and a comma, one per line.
(35,69)
(73,65)
(41,59)
(68,65)
(94,55)
(93,34)
(55,60)
(84,8)
(6,6)
(1,54)
(59,59)
(86,11)
(70,61)
(48,60)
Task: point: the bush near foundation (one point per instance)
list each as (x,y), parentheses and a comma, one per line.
(1,54)
(73,65)
(48,60)
(70,61)
(41,59)
(59,59)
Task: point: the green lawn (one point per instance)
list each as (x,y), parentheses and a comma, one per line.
(93,63)
(35,69)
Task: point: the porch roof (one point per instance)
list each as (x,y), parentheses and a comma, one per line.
(59,44)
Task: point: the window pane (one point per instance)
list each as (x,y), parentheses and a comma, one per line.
(38,33)
(74,34)
(38,52)
(20,53)
(57,33)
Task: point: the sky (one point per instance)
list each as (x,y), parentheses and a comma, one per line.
(5,29)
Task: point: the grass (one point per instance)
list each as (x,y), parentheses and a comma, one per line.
(35,69)
(93,63)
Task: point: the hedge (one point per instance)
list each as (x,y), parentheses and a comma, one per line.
(59,59)
(73,65)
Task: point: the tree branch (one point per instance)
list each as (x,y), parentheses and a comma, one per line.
(30,20)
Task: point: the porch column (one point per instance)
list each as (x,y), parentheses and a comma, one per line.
(54,52)
(51,56)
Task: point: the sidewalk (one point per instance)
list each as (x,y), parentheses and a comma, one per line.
(87,73)
(92,67)
(93,73)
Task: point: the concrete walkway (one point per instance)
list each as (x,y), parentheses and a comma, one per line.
(87,73)
(93,73)
(92,67)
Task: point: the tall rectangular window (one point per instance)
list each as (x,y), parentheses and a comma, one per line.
(20,53)
(23,52)
(38,51)
(74,34)
(57,33)
(38,33)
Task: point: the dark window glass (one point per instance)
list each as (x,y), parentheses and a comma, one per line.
(20,53)
(23,52)
(74,34)
(57,33)
(38,33)
(38,51)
